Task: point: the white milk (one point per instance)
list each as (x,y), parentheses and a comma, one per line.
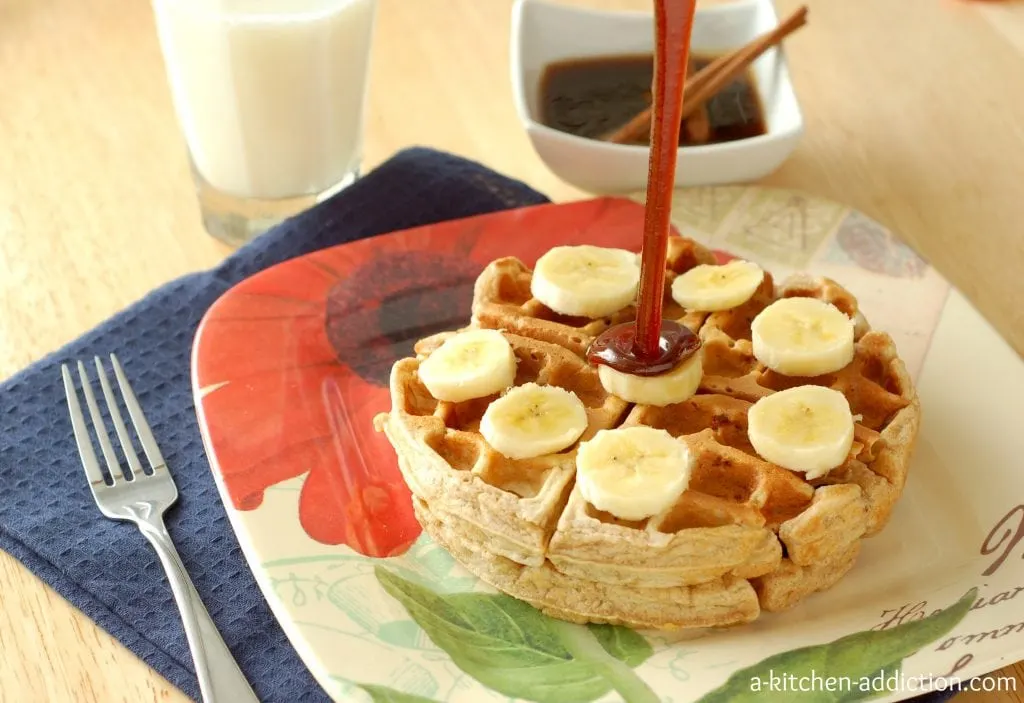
(269,93)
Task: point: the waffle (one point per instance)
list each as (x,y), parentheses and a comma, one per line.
(746,535)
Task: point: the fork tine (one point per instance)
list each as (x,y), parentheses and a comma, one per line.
(85,450)
(149,445)
(115,415)
(102,436)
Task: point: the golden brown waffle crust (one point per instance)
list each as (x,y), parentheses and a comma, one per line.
(720,556)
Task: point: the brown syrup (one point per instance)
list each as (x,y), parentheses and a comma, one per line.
(651,346)
(590,97)
(616,348)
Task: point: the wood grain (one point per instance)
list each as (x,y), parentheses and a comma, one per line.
(912,117)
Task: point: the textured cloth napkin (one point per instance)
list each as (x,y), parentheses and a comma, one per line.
(48,519)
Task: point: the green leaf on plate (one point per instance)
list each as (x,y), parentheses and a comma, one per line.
(403,633)
(515,649)
(859,657)
(383,694)
(622,643)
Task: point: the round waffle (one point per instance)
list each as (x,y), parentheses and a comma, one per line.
(745,536)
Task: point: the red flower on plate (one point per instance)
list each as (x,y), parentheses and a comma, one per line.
(376,314)
(292,365)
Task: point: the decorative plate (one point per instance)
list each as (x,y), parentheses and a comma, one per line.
(291,366)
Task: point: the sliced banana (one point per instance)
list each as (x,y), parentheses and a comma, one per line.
(802,337)
(674,386)
(806,428)
(633,472)
(533,420)
(586,281)
(709,288)
(470,364)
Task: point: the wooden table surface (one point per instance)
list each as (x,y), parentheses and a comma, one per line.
(915,115)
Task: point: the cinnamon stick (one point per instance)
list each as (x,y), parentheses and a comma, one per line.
(707,82)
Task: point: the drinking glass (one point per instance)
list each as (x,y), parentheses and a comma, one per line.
(270,97)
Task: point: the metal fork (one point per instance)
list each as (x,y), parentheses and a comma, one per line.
(142,499)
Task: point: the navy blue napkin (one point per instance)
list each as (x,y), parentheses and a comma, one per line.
(47,516)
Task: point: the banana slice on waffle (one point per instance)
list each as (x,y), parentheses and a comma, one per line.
(710,288)
(533,420)
(802,337)
(586,281)
(471,364)
(674,386)
(806,428)
(633,473)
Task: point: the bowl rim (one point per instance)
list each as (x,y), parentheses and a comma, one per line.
(532,125)
(636,15)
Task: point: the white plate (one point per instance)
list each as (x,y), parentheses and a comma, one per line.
(288,368)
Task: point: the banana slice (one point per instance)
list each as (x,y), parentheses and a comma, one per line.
(673,386)
(802,337)
(633,472)
(709,288)
(470,364)
(806,428)
(586,281)
(533,420)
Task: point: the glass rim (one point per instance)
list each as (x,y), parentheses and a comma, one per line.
(287,11)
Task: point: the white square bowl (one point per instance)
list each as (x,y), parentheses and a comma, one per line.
(545,32)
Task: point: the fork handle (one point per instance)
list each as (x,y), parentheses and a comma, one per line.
(220,679)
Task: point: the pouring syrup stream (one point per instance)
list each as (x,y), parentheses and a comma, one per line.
(651,346)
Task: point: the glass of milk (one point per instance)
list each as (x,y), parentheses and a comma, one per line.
(269,95)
